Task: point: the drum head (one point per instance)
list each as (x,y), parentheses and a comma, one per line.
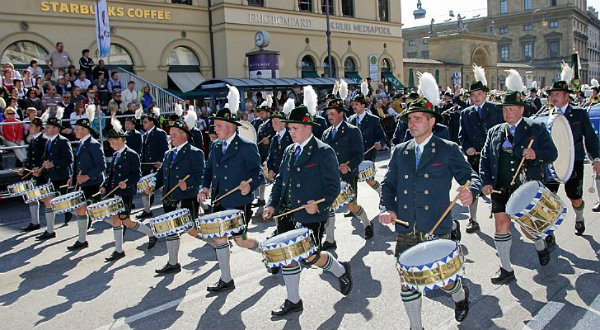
(522,197)
(247,131)
(563,140)
(427,252)
(285,237)
(364,165)
(220,214)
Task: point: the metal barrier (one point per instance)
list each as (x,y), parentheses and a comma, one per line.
(163,99)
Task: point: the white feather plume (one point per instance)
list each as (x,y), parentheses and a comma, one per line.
(226,106)
(310,100)
(139,112)
(178,109)
(567,72)
(45,116)
(288,106)
(156,111)
(479,73)
(513,81)
(191,117)
(343,89)
(534,85)
(336,88)
(449,90)
(595,83)
(269,100)
(90,110)
(364,87)
(116,124)
(428,88)
(191,108)
(233,98)
(60,112)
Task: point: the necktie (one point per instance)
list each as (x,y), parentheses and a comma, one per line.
(334,132)
(174,155)
(79,147)
(479,111)
(49,146)
(297,154)
(116,157)
(513,129)
(224,147)
(417,156)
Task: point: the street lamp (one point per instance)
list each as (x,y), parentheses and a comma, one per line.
(544,20)
(328,33)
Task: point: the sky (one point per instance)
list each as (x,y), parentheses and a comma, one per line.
(438,10)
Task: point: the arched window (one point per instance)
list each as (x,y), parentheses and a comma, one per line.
(350,65)
(118,56)
(182,56)
(326,68)
(309,69)
(22,52)
(386,66)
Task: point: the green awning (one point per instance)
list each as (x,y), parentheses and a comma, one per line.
(392,80)
(310,74)
(353,76)
(193,94)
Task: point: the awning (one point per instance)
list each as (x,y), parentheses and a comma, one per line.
(186,81)
(193,94)
(310,74)
(392,80)
(353,75)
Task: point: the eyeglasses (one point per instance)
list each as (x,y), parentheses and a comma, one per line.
(10,113)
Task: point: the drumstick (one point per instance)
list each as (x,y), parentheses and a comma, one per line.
(231,192)
(496,192)
(404,223)
(26,175)
(77,183)
(151,163)
(366,152)
(465,186)
(298,208)
(176,186)
(520,164)
(110,192)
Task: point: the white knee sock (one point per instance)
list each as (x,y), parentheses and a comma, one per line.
(377,187)
(146,202)
(173,249)
(540,244)
(330,228)
(362,215)
(223,258)
(261,192)
(412,303)
(503,244)
(291,278)
(142,228)
(34,210)
(82,222)
(118,234)
(457,291)
(579,212)
(332,265)
(50,216)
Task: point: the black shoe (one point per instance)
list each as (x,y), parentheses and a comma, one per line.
(168,268)
(287,308)
(349,215)
(328,246)
(151,242)
(369,231)
(596,208)
(78,246)
(272,270)
(115,256)
(346,279)
(455,234)
(579,228)
(260,202)
(472,227)
(550,242)
(503,276)
(461,308)
(46,235)
(221,286)
(145,215)
(31,227)
(544,256)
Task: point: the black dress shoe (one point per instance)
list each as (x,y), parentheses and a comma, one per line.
(78,246)
(272,270)
(31,227)
(461,308)
(151,242)
(550,242)
(145,215)
(168,268)
(115,256)
(579,228)
(544,256)
(503,276)
(596,208)
(369,231)
(349,214)
(455,234)
(221,286)
(328,246)
(472,227)
(346,279)
(46,235)
(287,308)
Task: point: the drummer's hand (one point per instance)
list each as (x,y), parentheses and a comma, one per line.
(268,212)
(596,167)
(157,164)
(102,191)
(244,188)
(82,178)
(149,190)
(21,171)
(266,141)
(377,146)
(37,171)
(122,185)
(471,151)
(311,207)
(182,185)
(529,154)
(344,168)
(271,174)
(48,164)
(387,217)
(203,195)
(465,196)
(487,190)
(69,182)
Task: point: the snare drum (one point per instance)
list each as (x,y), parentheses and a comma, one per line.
(538,210)
(38,193)
(289,247)
(105,209)
(172,223)
(431,265)
(220,224)
(147,181)
(366,171)
(346,196)
(19,188)
(68,203)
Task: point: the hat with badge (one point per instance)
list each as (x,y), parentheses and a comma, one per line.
(180,124)
(288,106)
(305,113)
(364,92)
(566,75)
(37,121)
(480,83)
(336,103)
(228,113)
(428,99)
(117,129)
(90,111)
(153,115)
(515,87)
(55,121)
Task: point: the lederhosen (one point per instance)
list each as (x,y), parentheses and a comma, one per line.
(506,170)
(405,241)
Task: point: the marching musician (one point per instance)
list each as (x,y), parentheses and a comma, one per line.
(58,164)
(504,148)
(265,134)
(133,137)
(402,133)
(415,189)
(280,141)
(88,172)
(475,121)
(180,161)
(594,98)
(123,174)
(308,172)
(154,146)
(34,160)
(190,119)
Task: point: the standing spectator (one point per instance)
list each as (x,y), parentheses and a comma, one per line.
(35,69)
(114,84)
(86,64)
(129,95)
(77,97)
(33,100)
(51,99)
(102,85)
(12,135)
(58,59)
(28,81)
(100,68)
(82,82)
(146,99)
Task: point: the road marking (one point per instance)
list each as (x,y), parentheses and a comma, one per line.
(544,316)
(591,317)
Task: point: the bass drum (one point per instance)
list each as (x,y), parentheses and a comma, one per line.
(594,113)
(560,130)
(247,131)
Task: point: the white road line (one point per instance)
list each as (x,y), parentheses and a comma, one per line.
(118,323)
(544,316)
(591,317)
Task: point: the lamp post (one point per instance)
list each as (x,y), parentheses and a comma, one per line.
(544,24)
(328,33)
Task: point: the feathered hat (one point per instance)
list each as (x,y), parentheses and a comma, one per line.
(480,83)
(90,111)
(562,85)
(153,115)
(191,117)
(364,92)
(267,103)
(305,113)
(595,85)
(429,98)
(514,85)
(117,129)
(288,106)
(229,112)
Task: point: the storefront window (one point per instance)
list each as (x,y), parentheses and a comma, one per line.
(386,66)
(333,68)
(182,56)
(305,5)
(350,65)
(22,52)
(118,56)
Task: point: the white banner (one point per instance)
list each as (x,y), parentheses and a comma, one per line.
(102,29)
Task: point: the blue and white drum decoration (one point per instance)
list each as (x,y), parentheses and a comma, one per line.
(146,182)
(106,208)
(68,202)
(289,247)
(19,188)
(560,130)
(538,210)
(174,222)
(346,196)
(366,171)
(38,193)
(431,265)
(220,224)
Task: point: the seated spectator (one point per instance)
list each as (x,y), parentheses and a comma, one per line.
(82,82)
(32,100)
(146,99)
(47,81)
(34,68)
(51,99)
(72,73)
(77,96)
(19,88)
(91,97)
(86,64)
(68,106)
(114,84)
(99,122)
(102,87)
(39,85)
(12,135)
(28,80)
(116,102)
(100,68)
(129,95)
(30,113)
(61,86)
(78,113)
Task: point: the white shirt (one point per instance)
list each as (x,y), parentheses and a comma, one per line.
(85,138)
(280,134)
(422,145)
(563,109)
(37,135)
(516,124)
(52,138)
(128,96)
(227,142)
(361,117)
(83,84)
(303,144)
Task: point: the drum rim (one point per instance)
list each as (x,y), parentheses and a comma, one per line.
(20,183)
(205,217)
(304,232)
(456,249)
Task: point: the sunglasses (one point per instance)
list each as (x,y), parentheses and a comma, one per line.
(10,113)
